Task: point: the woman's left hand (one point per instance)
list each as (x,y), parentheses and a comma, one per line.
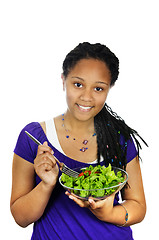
(100,208)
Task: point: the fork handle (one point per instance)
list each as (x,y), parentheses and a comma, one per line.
(39,143)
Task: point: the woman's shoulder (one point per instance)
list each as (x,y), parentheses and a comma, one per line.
(25,147)
(33,128)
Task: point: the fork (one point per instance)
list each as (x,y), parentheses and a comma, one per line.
(68,171)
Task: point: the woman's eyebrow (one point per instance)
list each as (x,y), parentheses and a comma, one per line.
(100,82)
(79,78)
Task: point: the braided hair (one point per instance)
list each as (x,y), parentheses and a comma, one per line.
(110,128)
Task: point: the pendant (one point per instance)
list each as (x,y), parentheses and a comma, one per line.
(83,149)
(85,142)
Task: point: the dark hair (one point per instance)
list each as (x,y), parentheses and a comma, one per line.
(112,132)
(97,51)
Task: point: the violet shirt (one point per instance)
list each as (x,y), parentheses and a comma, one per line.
(63,219)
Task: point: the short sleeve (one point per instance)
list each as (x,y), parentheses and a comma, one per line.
(131,150)
(25,147)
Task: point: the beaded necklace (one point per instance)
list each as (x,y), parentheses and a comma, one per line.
(84,142)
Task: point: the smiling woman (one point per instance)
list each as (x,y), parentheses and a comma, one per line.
(88,133)
(87,86)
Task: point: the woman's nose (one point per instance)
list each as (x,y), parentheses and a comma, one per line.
(86,95)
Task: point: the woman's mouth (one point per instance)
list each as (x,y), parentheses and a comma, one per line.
(84,108)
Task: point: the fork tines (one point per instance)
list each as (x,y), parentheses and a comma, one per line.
(69,171)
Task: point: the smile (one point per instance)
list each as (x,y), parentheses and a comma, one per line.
(84,108)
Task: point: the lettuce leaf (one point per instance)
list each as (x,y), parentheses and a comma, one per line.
(97,177)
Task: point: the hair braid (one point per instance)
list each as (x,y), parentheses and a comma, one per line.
(109,128)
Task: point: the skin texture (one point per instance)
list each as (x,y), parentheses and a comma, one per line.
(86,87)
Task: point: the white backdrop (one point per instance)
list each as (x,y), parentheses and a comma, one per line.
(35,36)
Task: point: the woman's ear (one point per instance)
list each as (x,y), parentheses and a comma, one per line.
(63,81)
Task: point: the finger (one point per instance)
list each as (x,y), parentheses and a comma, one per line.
(92,203)
(45,167)
(45,143)
(43,170)
(44,148)
(48,158)
(78,201)
(97,204)
(45,158)
(101,203)
(43,163)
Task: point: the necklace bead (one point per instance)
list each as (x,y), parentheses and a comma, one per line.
(84,142)
(83,149)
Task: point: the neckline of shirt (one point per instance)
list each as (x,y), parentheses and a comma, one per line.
(51,134)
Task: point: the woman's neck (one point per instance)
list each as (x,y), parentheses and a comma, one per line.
(77,126)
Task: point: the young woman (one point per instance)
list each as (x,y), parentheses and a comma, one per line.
(89,132)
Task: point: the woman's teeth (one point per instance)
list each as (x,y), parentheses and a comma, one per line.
(84,108)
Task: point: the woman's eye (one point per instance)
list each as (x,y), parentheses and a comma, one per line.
(78,85)
(98,89)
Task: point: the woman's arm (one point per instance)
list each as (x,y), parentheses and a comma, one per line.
(134,201)
(134,196)
(27,201)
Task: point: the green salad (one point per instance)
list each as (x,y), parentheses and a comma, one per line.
(94,178)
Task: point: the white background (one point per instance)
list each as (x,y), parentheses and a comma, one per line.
(35,36)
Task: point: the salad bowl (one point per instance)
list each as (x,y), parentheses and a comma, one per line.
(97,182)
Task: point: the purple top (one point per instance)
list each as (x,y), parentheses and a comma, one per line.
(62,218)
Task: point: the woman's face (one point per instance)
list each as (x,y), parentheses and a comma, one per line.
(87,86)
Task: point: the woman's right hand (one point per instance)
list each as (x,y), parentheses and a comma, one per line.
(46,166)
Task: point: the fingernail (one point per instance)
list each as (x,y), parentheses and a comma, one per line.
(71,197)
(90,200)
